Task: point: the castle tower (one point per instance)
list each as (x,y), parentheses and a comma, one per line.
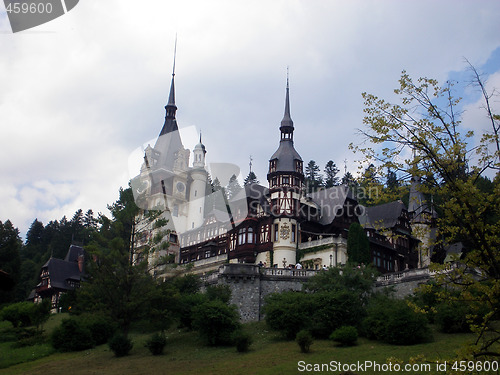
(286,178)
(422,222)
(197,188)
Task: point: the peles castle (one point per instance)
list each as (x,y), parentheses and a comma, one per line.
(278,225)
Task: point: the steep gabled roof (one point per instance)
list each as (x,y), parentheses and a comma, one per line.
(331,202)
(383,216)
(60,271)
(73,253)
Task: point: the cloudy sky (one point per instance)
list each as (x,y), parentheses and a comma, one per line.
(79,94)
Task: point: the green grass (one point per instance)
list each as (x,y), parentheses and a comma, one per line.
(10,355)
(186,354)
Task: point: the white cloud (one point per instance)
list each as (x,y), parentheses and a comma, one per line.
(80,93)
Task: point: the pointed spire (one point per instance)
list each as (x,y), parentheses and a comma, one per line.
(171,97)
(287,119)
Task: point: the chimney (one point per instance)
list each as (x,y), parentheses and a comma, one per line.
(80,262)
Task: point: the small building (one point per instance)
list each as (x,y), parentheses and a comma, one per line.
(59,276)
(388,227)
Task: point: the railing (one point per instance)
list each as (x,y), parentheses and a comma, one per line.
(210,260)
(288,272)
(398,277)
(320,242)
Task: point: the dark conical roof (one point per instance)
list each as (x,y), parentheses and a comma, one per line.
(286,154)
(171,97)
(169,142)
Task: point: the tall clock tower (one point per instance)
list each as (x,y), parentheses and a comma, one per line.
(286,178)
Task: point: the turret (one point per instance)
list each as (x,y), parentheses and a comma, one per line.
(285,178)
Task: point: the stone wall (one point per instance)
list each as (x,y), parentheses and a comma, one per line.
(250,284)
(403,283)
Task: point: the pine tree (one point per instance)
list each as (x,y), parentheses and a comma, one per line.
(10,259)
(348,179)
(251,179)
(313,177)
(392,182)
(331,171)
(233,187)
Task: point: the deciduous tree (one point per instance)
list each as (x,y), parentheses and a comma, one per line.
(447,156)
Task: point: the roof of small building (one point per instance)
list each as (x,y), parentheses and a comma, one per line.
(331,201)
(62,270)
(382,216)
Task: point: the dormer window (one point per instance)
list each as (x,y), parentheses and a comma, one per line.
(272,165)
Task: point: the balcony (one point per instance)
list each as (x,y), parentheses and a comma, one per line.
(320,242)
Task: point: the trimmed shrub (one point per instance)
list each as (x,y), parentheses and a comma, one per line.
(156,343)
(330,310)
(71,335)
(19,314)
(345,335)
(242,340)
(219,292)
(216,322)
(120,345)
(184,308)
(101,327)
(393,321)
(287,312)
(304,339)
(320,313)
(452,318)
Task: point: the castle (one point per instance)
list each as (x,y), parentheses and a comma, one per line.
(275,226)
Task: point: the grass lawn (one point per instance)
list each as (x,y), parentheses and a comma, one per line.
(185,354)
(10,356)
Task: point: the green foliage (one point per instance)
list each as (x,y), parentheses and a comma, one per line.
(24,314)
(358,246)
(187,284)
(185,305)
(331,171)
(452,317)
(119,283)
(287,313)
(101,327)
(329,310)
(156,343)
(216,322)
(10,260)
(313,177)
(339,297)
(320,312)
(242,340)
(250,179)
(452,163)
(357,281)
(345,335)
(120,344)
(304,339)
(219,292)
(393,321)
(71,335)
